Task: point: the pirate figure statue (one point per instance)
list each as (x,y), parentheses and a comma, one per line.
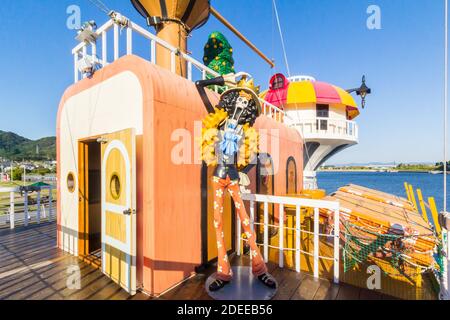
(230,143)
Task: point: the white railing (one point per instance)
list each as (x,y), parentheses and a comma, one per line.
(326,127)
(90,49)
(298,203)
(81,50)
(273,112)
(44,208)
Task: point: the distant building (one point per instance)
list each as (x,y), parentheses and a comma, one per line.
(4,177)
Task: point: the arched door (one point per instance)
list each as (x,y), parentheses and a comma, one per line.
(291,177)
(265,185)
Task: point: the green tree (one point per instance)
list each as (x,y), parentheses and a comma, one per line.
(17,174)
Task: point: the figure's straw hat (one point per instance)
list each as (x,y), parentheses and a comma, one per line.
(247,87)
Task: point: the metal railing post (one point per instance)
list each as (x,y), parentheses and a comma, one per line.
(316,243)
(116,42)
(25,209)
(297,238)
(281,235)
(50,208)
(84,56)
(75,69)
(38,213)
(129,41)
(104,48)
(266,231)
(336,244)
(12,218)
(252,220)
(189,74)
(153,51)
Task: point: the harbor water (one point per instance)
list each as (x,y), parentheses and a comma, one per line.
(432,185)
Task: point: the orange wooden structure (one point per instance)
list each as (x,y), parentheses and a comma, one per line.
(143,207)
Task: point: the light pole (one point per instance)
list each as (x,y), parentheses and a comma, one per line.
(362,91)
(445,217)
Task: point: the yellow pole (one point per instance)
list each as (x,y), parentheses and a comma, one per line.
(413,197)
(407,192)
(422,205)
(434,214)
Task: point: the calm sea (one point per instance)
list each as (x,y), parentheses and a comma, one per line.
(430,184)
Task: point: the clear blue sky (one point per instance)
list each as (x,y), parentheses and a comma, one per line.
(327,39)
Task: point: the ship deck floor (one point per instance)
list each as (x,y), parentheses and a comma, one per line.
(33,268)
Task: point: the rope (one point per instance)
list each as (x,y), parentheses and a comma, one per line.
(446,106)
(282,38)
(101,6)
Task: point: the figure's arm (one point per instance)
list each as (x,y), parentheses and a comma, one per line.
(228,79)
(201,84)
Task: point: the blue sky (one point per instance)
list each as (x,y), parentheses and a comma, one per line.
(327,39)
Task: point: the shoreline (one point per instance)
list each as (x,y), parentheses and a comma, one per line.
(381,171)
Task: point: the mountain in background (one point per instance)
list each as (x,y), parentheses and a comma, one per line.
(15,147)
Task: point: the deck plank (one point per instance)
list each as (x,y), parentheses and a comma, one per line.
(33,268)
(307,289)
(326,291)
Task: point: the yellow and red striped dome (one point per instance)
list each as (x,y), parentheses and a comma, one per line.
(307,92)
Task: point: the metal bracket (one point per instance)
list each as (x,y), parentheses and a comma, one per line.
(102,140)
(129,212)
(444,220)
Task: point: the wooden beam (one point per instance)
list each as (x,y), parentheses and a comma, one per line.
(413,197)
(434,214)
(225,22)
(407,192)
(422,205)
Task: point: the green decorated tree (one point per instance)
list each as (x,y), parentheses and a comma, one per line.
(219,54)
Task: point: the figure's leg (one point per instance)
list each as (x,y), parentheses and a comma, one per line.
(258,265)
(223,266)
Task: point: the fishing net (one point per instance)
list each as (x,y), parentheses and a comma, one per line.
(410,265)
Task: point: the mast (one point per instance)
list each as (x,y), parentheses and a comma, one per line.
(175,20)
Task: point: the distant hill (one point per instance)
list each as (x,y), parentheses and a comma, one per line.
(15,147)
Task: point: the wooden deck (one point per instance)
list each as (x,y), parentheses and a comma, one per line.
(32,268)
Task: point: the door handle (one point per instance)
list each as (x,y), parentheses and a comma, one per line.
(129,212)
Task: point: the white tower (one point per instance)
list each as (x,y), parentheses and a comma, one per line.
(323,114)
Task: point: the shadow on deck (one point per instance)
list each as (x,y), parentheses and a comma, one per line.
(33,268)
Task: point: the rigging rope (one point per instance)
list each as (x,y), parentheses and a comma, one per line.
(101,6)
(283,46)
(282,38)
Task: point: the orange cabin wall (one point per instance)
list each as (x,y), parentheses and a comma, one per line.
(168,194)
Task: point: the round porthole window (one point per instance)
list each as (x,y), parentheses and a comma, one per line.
(114,186)
(71,182)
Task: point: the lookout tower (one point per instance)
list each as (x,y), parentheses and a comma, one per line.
(323,113)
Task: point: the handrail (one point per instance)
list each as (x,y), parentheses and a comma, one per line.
(332,126)
(27,216)
(298,203)
(81,51)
